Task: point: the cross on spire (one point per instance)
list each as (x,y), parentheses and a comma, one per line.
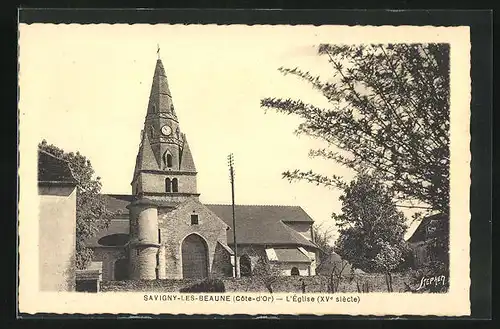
(158,51)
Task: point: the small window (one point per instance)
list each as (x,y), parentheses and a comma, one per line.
(294,271)
(175,185)
(168,185)
(194,219)
(154,108)
(159,236)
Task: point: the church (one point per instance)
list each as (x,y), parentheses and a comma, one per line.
(162,230)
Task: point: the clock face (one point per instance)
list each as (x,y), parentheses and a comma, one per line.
(166,130)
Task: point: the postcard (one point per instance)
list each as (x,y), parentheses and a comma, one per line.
(236,169)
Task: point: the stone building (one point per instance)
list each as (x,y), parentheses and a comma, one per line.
(162,230)
(422,242)
(57,223)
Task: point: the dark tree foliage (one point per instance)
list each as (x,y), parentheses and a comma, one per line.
(389,112)
(371,229)
(91,212)
(322,238)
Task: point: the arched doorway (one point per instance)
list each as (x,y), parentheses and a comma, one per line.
(194,257)
(294,271)
(245,266)
(121,269)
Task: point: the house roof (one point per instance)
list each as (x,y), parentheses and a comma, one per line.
(291,255)
(257,212)
(116,227)
(52,169)
(263,224)
(255,224)
(420,232)
(118,202)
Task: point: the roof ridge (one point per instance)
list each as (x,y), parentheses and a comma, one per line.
(253,205)
(66,162)
(117,194)
(51,154)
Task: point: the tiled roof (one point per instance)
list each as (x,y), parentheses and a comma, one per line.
(118,202)
(420,232)
(291,255)
(263,224)
(53,169)
(187,162)
(255,224)
(115,227)
(257,212)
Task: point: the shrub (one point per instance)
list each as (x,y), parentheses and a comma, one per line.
(207,285)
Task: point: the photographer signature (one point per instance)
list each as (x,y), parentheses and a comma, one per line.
(431,281)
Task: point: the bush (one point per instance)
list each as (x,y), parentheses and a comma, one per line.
(208,285)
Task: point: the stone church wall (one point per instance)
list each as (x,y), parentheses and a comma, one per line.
(108,257)
(156,182)
(176,225)
(221,266)
(286,268)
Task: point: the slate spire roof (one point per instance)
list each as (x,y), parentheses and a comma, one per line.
(187,162)
(145,157)
(160,97)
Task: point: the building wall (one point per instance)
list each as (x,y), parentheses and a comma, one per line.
(176,225)
(221,265)
(253,252)
(286,268)
(156,182)
(256,252)
(420,254)
(108,256)
(57,238)
(142,255)
(313,256)
(137,185)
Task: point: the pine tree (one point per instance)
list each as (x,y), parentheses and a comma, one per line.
(389,112)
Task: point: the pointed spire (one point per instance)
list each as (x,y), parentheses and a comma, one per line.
(187,162)
(162,78)
(160,98)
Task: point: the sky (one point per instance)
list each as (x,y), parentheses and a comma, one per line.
(87,89)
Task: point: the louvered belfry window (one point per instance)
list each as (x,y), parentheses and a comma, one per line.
(168,185)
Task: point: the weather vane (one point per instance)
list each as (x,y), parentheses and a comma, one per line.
(158,51)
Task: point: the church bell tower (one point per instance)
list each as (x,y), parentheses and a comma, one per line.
(164,165)
(164,175)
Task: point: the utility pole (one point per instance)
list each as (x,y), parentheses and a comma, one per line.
(230,159)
